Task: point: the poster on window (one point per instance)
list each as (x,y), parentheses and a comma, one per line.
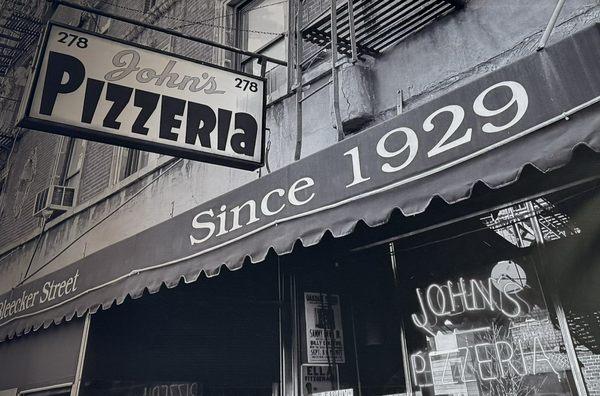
(324,333)
(318,378)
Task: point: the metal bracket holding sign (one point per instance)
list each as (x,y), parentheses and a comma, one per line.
(94,87)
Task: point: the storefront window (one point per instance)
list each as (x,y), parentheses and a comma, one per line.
(503,303)
(215,337)
(486,330)
(350,328)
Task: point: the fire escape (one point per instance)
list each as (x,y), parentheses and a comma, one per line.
(21,23)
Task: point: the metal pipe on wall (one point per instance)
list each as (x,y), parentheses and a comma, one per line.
(299,48)
(334,73)
(551,23)
(352,32)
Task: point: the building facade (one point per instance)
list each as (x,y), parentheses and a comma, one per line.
(385,306)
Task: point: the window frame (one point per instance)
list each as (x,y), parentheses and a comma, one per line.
(67,175)
(122,158)
(239,26)
(247,59)
(236,7)
(52,389)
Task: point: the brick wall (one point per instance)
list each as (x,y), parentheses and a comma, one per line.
(31,169)
(204,13)
(312,9)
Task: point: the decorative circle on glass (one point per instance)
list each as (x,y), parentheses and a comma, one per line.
(509,277)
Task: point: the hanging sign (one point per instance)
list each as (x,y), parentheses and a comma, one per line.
(94,87)
(324,334)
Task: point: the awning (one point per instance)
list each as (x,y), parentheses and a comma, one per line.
(535,111)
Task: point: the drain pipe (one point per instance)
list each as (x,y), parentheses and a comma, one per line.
(334,72)
(551,23)
(299,43)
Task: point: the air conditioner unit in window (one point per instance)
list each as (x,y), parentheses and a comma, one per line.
(54,199)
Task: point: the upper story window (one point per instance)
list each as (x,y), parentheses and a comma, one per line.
(73,162)
(262,27)
(127,162)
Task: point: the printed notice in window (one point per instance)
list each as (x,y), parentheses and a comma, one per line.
(324,333)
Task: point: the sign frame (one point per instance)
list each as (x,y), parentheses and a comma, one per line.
(25,120)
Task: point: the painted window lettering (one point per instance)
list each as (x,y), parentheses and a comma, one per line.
(66,74)
(408,140)
(179,389)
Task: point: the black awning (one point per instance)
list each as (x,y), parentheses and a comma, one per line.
(535,111)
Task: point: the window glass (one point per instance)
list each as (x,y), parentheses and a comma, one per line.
(490,305)
(130,161)
(220,338)
(263,24)
(573,264)
(74,161)
(350,326)
(259,18)
(493,310)
(485,330)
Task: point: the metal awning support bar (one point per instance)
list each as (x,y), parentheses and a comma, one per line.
(334,72)
(96,11)
(551,23)
(298,85)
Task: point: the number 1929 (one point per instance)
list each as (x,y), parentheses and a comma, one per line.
(451,138)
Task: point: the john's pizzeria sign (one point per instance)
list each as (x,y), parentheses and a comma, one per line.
(99,88)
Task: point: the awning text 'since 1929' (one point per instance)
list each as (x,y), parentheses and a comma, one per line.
(534,111)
